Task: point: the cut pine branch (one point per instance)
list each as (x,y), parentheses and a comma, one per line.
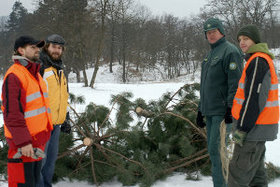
(186,163)
(142,112)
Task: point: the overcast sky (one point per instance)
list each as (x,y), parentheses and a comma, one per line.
(179,8)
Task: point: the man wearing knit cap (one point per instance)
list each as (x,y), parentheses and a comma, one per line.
(256,110)
(221,70)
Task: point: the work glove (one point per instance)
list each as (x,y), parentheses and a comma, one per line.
(199,120)
(239,137)
(65,126)
(228,116)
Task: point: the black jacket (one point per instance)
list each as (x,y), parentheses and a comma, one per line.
(257,86)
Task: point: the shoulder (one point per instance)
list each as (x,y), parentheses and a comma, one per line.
(230,51)
(261,63)
(231,48)
(12,80)
(48,72)
(50,68)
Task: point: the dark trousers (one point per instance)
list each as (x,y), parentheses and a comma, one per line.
(48,164)
(247,165)
(213,124)
(23,174)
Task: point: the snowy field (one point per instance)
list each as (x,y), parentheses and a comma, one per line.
(107,84)
(152,91)
(149,91)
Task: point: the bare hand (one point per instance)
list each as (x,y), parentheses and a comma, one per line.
(27,150)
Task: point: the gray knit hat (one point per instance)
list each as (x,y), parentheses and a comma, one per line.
(251,31)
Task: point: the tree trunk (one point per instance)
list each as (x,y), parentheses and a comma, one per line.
(123,74)
(100,44)
(123,52)
(78,76)
(85,77)
(112,50)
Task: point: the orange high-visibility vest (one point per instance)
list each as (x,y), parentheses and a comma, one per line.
(270,113)
(37,111)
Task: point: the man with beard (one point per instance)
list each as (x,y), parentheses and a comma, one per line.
(27,119)
(52,72)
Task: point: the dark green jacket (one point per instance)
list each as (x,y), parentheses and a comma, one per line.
(220,73)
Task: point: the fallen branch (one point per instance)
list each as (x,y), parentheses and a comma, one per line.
(201,132)
(133,161)
(186,164)
(190,157)
(115,101)
(92,166)
(70,151)
(171,98)
(271,166)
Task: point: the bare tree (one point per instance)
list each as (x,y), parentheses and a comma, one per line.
(103,12)
(237,13)
(113,14)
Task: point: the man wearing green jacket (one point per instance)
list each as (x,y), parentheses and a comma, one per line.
(220,73)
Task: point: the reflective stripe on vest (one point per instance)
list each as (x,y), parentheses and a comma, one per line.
(271,104)
(270,114)
(274,87)
(241,85)
(239,101)
(34,96)
(268,103)
(36,112)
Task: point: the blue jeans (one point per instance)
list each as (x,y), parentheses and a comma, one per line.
(213,143)
(48,163)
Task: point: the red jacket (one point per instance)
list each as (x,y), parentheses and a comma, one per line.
(14,102)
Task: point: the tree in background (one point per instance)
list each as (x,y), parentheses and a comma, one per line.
(73,21)
(237,13)
(15,26)
(101,7)
(4,58)
(127,33)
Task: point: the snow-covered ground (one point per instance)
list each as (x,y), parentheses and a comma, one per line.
(177,180)
(152,91)
(107,84)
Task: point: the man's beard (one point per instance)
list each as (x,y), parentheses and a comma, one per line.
(33,58)
(54,56)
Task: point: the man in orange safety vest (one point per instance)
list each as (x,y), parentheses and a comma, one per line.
(256,110)
(26,112)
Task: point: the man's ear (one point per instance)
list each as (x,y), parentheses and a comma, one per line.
(21,51)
